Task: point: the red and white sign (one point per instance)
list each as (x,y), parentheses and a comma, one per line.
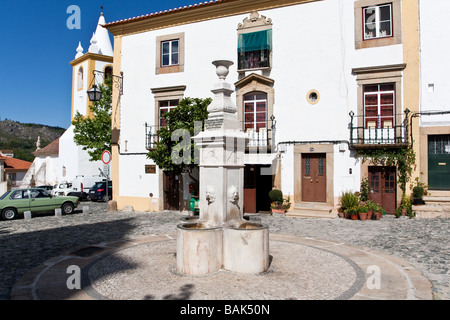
(106,157)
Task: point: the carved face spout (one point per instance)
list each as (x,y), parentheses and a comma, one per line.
(210,195)
(233,195)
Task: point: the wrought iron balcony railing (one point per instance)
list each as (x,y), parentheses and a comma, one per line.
(259,140)
(151,136)
(379,131)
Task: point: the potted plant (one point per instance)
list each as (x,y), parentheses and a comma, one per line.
(352,212)
(371,206)
(364,190)
(363,212)
(377,211)
(279,204)
(348,200)
(418,192)
(405,208)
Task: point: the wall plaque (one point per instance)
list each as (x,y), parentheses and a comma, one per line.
(150,168)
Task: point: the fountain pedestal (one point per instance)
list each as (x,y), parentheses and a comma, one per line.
(221,237)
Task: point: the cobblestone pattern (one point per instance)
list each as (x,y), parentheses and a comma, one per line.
(26,244)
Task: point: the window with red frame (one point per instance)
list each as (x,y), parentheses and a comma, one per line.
(255,111)
(164,107)
(378,21)
(379,106)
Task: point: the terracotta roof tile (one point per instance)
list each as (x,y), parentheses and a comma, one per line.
(187,7)
(50,150)
(16,164)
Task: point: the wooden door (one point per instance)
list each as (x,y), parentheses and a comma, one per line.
(382,182)
(314,181)
(171,192)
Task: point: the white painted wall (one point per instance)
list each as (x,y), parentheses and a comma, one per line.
(313,48)
(435,62)
(79,95)
(74,159)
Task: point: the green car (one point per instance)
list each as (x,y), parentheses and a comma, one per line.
(35,200)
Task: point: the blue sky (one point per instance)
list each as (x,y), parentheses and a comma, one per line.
(37,46)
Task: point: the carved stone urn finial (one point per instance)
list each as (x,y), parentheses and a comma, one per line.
(222,68)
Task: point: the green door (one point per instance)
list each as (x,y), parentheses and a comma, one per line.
(439,162)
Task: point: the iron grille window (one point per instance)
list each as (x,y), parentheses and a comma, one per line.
(439,144)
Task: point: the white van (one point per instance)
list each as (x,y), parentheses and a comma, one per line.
(62,189)
(81,185)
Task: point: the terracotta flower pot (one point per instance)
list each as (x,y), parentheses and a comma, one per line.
(378,215)
(278,211)
(354,217)
(369,215)
(363,216)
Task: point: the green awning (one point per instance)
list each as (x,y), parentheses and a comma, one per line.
(261,40)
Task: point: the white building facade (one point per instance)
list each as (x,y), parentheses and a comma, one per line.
(434,97)
(315,81)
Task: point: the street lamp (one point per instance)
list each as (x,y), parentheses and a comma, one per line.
(94,94)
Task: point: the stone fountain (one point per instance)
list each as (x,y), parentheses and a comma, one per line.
(221,237)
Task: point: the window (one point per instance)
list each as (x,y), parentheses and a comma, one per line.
(379,105)
(19,194)
(255,111)
(36,193)
(80,78)
(254,49)
(377,21)
(108,71)
(164,107)
(438,144)
(169,53)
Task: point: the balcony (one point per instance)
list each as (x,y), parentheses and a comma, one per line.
(378,132)
(151,136)
(259,141)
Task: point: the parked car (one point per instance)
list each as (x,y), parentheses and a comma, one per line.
(98,191)
(18,201)
(62,189)
(48,188)
(81,186)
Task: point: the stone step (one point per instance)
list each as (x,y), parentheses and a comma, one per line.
(312,210)
(436,199)
(431,214)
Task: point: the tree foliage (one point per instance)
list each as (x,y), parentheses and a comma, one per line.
(94,133)
(183,117)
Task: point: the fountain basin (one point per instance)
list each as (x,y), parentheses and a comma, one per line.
(189,219)
(199,249)
(246,248)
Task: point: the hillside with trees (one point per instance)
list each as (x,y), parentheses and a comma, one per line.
(21,138)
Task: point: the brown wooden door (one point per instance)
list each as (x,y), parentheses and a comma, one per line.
(314,181)
(171,192)
(383,187)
